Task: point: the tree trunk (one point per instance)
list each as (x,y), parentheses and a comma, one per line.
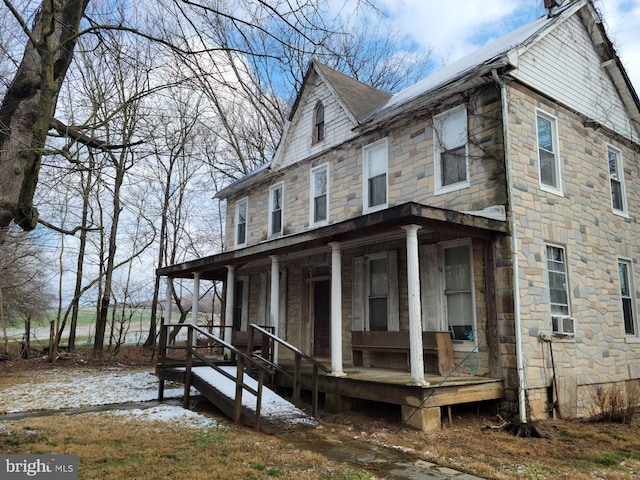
(29,105)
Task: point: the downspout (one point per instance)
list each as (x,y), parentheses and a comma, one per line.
(522,407)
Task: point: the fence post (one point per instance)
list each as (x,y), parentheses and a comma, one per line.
(187,371)
(239,380)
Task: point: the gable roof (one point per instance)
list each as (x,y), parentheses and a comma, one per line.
(358,99)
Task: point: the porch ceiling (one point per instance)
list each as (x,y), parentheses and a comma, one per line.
(214,267)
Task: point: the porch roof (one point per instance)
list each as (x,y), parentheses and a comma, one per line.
(214,267)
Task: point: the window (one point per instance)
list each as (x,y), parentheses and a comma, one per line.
(627,295)
(451,165)
(237,305)
(275,209)
(558,286)
(458,285)
(548,161)
(241,222)
(319,195)
(375,175)
(616,176)
(318,123)
(378,277)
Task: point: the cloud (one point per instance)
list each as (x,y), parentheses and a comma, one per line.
(456,28)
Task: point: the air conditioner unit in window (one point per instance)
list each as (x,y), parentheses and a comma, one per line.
(563,325)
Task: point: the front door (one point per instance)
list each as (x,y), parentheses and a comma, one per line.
(321,315)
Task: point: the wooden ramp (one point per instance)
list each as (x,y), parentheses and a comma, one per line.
(277,413)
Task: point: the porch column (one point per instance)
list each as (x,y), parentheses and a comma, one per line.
(195,303)
(167,302)
(336,310)
(228,303)
(274,308)
(415,310)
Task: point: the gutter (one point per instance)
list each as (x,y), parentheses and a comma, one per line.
(522,408)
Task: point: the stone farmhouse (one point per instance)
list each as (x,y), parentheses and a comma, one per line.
(480,225)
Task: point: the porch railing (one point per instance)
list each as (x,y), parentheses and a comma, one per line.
(191,350)
(299,356)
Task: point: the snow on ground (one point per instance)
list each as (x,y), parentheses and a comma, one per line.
(273,407)
(81,388)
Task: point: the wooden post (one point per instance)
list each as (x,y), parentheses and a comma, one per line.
(259,398)
(297,367)
(239,379)
(187,371)
(162,359)
(315,390)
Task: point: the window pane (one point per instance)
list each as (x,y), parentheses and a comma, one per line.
(377,161)
(613,164)
(454,166)
(457,269)
(453,130)
(277,199)
(557,276)
(627,309)
(320,208)
(378,190)
(378,314)
(624,279)
(548,169)
(545,135)
(320,182)
(378,278)
(242,230)
(276,221)
(616,195)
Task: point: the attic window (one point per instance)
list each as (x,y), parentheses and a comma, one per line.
(318,123)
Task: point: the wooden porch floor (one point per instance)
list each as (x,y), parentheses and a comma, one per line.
(392,386)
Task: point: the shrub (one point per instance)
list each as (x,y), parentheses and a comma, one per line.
(611,405)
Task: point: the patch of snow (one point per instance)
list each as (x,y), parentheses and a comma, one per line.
(273,407)
(166,413)
(61,389)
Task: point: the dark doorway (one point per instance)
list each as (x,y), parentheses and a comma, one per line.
(321,317)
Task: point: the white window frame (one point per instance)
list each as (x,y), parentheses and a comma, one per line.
(631,297)
(620,172)
(375,146)
(277,186)
(557,190)
(312,196)
(319,127)
(439,148)
(244,201)
(567,285)
(458,344)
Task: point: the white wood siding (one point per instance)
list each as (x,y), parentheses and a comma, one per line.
(338,125)
(565,66)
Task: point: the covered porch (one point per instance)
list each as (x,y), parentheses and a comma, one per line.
(359,296)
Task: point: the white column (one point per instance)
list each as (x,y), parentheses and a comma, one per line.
(195,303)
(228,304)
(168,301)
(415,310)
(274,308)
(336,310)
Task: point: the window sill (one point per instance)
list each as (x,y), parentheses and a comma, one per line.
(635,340)
(451,188)
(562,338)
(377,208)
(552,190)
(620,213)
(463,346)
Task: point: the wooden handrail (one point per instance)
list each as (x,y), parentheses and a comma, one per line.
(297,366)
(191,351)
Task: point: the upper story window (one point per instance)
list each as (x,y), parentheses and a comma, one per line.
(458,290)
(275,209)
(627,296)
(318,123)
(319,195)
(451,150)
(548,158)
(241,222)
(616,176)
(375,176)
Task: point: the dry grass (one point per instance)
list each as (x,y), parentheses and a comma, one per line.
(114,448)
(575,450)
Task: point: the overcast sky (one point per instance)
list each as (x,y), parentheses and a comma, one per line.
(454,28)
